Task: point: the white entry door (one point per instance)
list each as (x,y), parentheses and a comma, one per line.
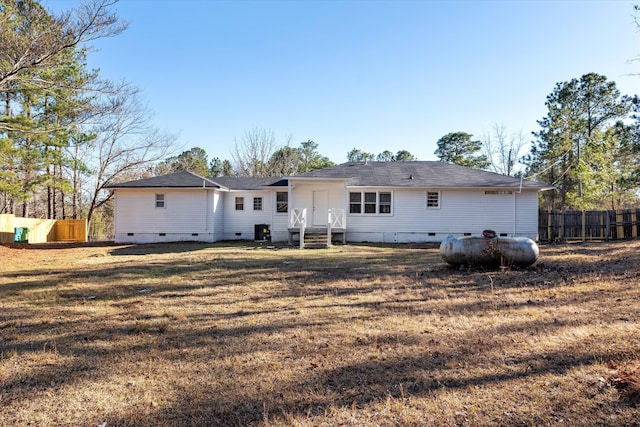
(320,208)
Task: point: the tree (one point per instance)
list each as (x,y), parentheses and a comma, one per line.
(125,148)
(310,158)
(193,160)
(505,151)
(227,168)
(33,40)
(385,156)
(257,155)
(571,142)
(291,161)
(400,156)
(404,156)
(284,162)
(356,155)
(458,148)
(215,167)
(252,153)
(49,101)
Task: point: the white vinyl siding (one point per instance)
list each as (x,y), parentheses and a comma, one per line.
(218,215)
(401,215)
(187,217)
(240,224)
(279,217)
(526,217)
(460,211)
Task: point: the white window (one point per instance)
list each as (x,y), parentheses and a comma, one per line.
(370,202)
(239,203)
(160,202)
(257,203)
(282,202)
(433,199)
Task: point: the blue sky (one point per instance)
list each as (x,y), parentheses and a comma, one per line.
(372,75)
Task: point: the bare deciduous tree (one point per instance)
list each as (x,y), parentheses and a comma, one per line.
(125,147)
(252,153)
(504,150)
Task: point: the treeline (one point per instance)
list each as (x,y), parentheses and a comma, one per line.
(257,155)
(66,133)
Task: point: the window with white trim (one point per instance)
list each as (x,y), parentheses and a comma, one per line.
(257,203)
(239,203)
(282,202)
(160,200)
(433,199)
(370,202)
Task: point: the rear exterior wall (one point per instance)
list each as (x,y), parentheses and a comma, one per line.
(187,215)
(459,212)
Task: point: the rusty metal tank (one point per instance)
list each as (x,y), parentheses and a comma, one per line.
(489,250)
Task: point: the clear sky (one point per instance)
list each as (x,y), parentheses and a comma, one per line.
(372,75)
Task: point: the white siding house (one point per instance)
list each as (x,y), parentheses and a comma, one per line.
(364,202)
(165,215)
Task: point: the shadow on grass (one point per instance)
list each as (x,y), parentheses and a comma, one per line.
(352,387)
(84,355)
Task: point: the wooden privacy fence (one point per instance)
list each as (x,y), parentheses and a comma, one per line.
(43,230)
(588,225)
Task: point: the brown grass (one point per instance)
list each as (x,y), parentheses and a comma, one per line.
(237,334)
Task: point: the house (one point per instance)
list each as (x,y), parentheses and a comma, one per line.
(419,201)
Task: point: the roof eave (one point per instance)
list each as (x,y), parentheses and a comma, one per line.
(317,178)
(164,187)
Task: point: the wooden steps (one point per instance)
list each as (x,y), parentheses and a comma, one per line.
(315,240)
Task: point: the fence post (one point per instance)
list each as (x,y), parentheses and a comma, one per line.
(584,225)
(634,228)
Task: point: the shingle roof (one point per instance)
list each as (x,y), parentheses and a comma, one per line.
(417,174)
(185,179)
(420,174)
(182,179)
(243,183)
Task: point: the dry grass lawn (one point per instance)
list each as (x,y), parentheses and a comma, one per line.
(363,335)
